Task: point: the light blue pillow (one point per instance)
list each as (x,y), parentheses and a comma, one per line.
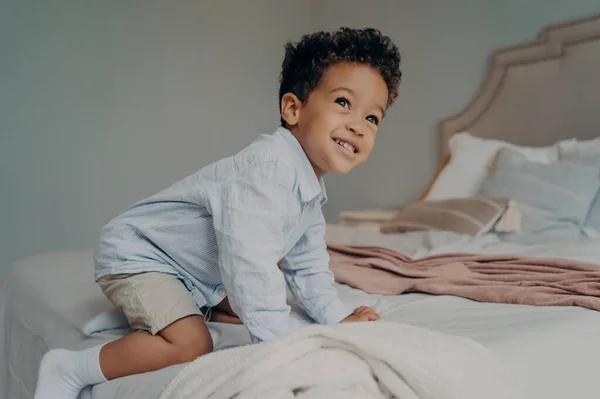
(593,216)
(554,199)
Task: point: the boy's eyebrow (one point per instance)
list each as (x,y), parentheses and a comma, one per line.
(349,90)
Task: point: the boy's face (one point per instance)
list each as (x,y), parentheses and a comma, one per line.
(337,124)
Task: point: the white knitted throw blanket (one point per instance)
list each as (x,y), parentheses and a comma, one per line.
(352,360)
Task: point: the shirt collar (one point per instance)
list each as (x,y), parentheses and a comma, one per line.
(308,184)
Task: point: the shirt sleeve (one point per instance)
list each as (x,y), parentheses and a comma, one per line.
(306,270)
(249,216)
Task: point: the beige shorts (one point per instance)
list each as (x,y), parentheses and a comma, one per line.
(150,301)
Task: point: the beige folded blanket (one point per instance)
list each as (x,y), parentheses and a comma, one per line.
(486,278)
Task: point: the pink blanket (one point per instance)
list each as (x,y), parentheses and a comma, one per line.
(485,278)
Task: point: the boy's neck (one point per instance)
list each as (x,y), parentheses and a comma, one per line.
(319,173)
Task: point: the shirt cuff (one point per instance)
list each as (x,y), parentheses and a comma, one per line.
(291,325)
(333,313)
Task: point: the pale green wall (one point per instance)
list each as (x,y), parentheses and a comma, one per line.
(103,103)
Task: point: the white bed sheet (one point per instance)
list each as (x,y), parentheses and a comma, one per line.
(45,302)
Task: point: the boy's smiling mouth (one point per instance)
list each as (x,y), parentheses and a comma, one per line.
(347,146)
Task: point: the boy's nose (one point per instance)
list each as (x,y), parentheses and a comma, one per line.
(355,128)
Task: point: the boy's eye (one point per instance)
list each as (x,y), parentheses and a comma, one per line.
(343,102)
(373,119)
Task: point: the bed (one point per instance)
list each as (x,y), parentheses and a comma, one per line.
(536,95)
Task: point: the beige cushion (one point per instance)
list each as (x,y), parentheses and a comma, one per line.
(473,216)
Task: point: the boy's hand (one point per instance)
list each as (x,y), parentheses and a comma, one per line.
(362,313)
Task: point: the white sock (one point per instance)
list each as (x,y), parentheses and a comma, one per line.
(63,373)
(110,320)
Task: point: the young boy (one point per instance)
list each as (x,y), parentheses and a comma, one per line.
(233,235)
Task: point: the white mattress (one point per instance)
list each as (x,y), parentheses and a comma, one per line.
(45,302)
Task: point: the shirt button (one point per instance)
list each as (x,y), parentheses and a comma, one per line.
(221,292)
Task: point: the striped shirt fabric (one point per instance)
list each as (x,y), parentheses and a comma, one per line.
(223,230)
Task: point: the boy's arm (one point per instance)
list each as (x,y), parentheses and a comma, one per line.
(249,214)
(306,270)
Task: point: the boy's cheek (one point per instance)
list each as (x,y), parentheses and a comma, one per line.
(365,158)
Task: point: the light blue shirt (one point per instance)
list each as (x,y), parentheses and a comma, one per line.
(223,230)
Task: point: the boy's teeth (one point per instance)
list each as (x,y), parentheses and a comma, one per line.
(345,145)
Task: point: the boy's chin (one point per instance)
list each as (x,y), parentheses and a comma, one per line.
(342,169)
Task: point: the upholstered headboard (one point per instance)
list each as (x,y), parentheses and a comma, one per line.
(538,93)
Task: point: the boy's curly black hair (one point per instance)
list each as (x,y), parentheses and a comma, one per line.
(306,61)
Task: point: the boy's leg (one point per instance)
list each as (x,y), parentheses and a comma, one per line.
(222,313)
(156,302)
(141,352)
(172,328)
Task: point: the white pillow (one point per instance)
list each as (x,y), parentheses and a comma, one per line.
(469,160)
(577,148)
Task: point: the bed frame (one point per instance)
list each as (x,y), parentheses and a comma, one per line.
(538,93)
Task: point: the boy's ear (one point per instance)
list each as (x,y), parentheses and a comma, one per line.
(290,108)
